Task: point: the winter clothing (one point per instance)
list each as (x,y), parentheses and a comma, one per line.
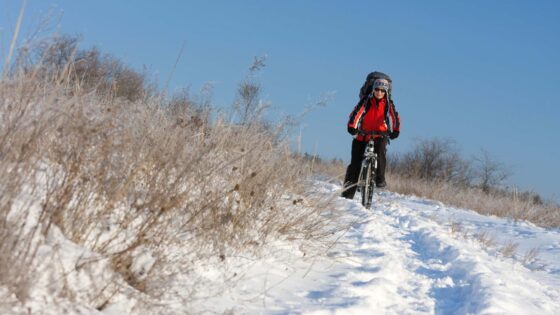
(367,88)
(381,84)
(371,114)
(353,170)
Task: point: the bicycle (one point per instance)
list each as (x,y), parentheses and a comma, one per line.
(366,180)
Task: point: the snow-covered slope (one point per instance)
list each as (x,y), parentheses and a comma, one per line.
(405,256)
(411,256)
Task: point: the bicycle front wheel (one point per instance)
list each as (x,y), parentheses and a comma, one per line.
(367,189)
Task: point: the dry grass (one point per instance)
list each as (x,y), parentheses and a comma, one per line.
(498,204)
(330,171)
(491,202)
(455,227)
(486,239)
(119,177)
(530,255)
(510,249)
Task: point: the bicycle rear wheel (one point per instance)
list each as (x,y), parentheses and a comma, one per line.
(366,178)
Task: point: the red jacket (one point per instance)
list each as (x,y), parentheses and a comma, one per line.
(373,115)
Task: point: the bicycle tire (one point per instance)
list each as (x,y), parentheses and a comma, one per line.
(362,180)
(367,189)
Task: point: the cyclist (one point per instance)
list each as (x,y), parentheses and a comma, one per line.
(375,113)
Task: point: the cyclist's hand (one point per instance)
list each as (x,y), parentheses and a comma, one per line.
(394,135)
(352,131)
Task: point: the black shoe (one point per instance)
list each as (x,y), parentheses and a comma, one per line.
(381,184)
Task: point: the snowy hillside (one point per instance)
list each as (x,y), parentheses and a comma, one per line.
(411,256)
(405,256)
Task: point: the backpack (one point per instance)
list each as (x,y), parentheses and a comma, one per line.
(368,85)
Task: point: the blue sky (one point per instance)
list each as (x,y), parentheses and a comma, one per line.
(483,73)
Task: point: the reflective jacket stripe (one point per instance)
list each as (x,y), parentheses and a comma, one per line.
(358,117)
(361,109)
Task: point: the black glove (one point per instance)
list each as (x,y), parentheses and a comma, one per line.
(352,131)
(394,135)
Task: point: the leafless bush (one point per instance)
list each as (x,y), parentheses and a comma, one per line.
(248,106)
(455,227)
(84,70)
(509,249)
(490,173)
(328,170)
(433,160)
(123,175)
(501,203)
(486,239)
(19,140)
(434,169)
(531,255)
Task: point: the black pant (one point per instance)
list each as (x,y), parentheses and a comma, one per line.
(353,170)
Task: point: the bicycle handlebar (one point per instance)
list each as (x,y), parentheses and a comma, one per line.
(373,133)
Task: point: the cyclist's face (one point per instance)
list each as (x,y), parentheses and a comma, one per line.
(379,93)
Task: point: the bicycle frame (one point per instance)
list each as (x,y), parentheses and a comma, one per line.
(366,180)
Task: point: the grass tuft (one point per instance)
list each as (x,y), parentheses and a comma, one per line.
(134,177)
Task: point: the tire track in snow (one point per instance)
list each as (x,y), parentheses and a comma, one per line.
(451,283)
(464,277)
(405,262)
(382,279)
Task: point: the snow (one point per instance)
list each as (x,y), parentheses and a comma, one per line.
(406,255)
(403,257)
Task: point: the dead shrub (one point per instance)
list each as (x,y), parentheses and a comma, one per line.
(509,249)
(486,239)
(501,203)
(120,171)
(60,58)
(455,227)
(531,255)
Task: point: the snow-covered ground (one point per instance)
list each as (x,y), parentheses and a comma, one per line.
(405,256)
(409,256)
